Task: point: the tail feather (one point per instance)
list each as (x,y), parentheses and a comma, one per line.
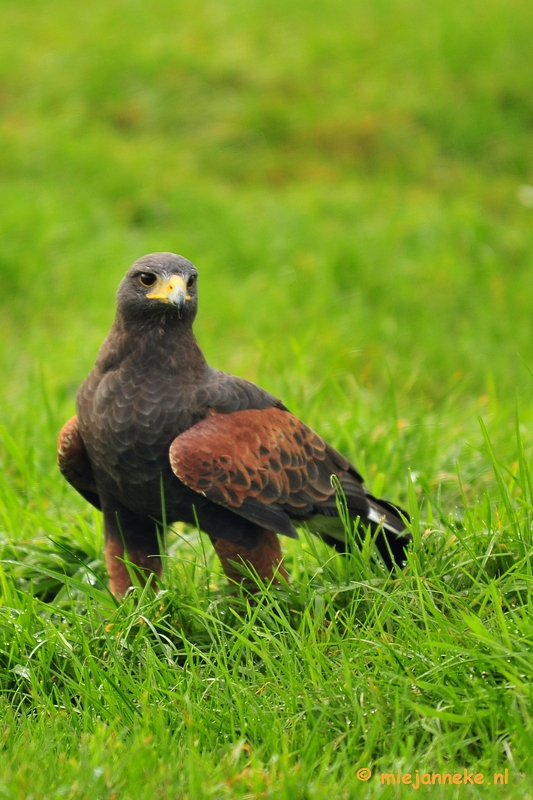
(393,538)
(383,518)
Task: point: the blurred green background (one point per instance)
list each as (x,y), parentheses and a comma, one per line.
(344,174)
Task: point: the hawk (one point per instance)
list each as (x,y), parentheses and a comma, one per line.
(160,437)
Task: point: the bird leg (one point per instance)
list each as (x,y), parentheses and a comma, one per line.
(118,561)
(132,551)
(265,560)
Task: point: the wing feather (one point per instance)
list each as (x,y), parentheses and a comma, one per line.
(260,458)
(74,463)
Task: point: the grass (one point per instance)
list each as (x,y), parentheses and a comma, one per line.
(352,181)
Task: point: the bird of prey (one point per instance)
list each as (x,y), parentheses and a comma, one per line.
(161,437)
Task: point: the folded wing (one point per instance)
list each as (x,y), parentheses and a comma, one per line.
(267,466)
(74,463)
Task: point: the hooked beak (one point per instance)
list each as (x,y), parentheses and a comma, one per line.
(172,290)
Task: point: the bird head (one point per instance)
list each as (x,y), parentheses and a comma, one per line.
(159,284)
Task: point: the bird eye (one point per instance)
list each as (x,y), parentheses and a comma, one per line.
(191,281)
(147,278)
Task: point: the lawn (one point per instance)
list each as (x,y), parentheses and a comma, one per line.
(354,182)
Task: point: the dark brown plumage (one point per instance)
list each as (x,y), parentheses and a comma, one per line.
(161,436)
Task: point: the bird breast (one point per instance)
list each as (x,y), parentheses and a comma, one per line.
(128,421)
